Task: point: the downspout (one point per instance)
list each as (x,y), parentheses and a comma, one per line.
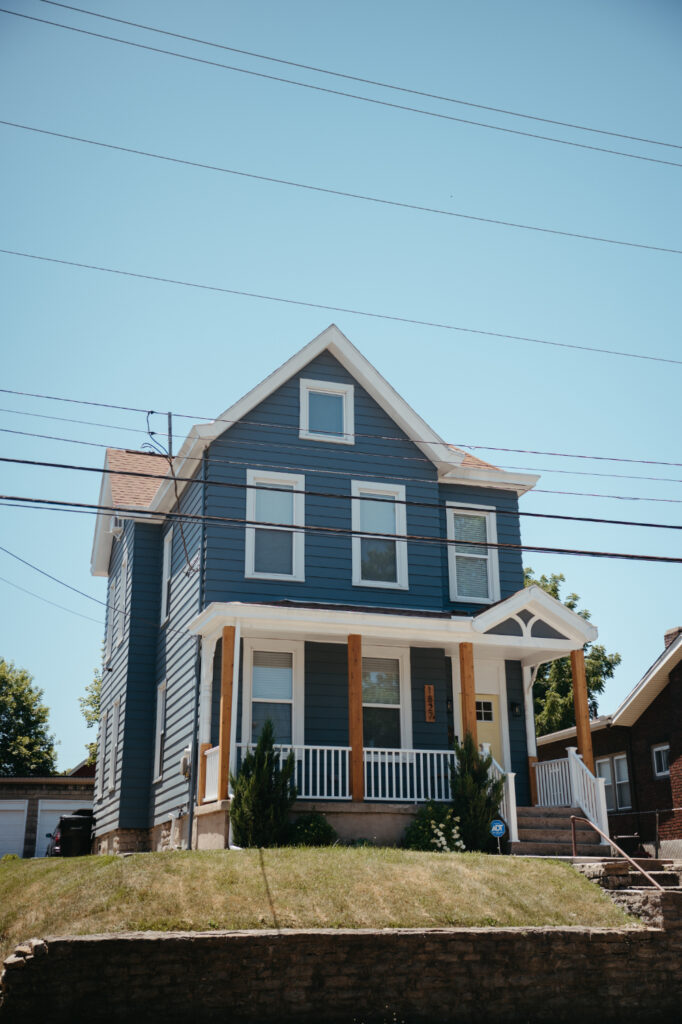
(193,774)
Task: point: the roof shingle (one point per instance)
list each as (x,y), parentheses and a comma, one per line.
(136,491)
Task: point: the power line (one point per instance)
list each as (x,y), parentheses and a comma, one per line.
(45,600)
(338,192)
(335,495)
(368,81)
(339,92)
(278,426)
(340,309)
(256,464)
(68,419)
(237,522)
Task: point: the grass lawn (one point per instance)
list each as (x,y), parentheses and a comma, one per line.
(337,887)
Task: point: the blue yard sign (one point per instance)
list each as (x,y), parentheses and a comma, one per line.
(497,828)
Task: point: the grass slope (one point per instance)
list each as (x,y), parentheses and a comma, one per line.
(337,887)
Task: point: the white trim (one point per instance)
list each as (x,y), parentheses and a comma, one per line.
(160,731)
(166,576)
(367,489)
(540,603)
(489,512)
(101,756)
(208,646)
(295,481)
(402,656)
(528,675)
(235,705)
(113,746)
(653,682)
(120,602)
(326,387)
(656,747)
(297,651)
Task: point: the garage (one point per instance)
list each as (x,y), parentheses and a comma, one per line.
(49,812)
(12,826)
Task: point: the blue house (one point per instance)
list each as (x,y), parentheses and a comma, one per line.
(318,556)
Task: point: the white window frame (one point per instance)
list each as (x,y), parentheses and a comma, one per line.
(654,749)
(120,601)
(166,576)
(109,621)
(160,731)
(366,489)
(296,481)
(101,754)
(402,655)
(297,650)
(113,747)
(326,387)
(611,760)
(489,511)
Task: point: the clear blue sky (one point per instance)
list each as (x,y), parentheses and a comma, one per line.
(65,331)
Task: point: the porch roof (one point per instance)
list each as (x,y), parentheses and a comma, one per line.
(508,630)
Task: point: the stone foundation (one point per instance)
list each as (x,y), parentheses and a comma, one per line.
(536,975)
(122,840)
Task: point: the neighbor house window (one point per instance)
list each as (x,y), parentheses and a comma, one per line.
(614,771)
(160,737)
(661,759)
(113,748)
(472,566)
(101,755)
(273,677)
(379,561)
(166,574)
(386,708)
(275,550)
(326,412)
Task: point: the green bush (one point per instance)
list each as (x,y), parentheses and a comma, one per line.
(312,829)
(475,795)
(263,795)
(435,828)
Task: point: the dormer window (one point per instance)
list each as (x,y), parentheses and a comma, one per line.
(327,412)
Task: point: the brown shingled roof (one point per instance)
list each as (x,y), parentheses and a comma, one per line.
(473,460)
(137,491)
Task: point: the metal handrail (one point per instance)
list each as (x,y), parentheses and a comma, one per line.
(575,817)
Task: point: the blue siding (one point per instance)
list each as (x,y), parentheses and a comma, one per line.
(429,665)
(326,695)
(517,732)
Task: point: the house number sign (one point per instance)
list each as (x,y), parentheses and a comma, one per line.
(429,703)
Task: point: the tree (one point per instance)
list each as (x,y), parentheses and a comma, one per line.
(90,710)
(553,690)
(263,794)
(475,795)
(26,746)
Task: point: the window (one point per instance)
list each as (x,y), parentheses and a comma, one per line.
(661,759)
(484,711)
(379,509)
(275,552)
(326,412)
(109,623)
(101,755)
(614,771)
(386,705)
(166,575)
(120,595)
(273,676)
(473,568)
(113,749)
(160,730)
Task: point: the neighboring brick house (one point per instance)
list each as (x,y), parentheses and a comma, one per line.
(30,807)
(638,752)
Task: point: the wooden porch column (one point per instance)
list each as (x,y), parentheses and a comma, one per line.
(226,673)
(201,792)
(582,711)
(355,741)
(468,688)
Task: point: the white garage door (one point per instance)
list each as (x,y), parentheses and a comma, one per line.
(12,826)
(49,812)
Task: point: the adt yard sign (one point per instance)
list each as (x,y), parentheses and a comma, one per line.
(497,828)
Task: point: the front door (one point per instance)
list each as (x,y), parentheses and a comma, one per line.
(488,723)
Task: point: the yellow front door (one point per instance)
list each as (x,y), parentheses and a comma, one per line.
(488,723)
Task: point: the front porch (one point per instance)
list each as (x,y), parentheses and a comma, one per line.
(338,682)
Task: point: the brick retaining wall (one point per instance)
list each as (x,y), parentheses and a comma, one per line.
(455,975)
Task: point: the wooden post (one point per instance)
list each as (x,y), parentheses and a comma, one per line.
(201,793)
(226,672)
(582,711)
(355,741)
(468,688)
(532,761)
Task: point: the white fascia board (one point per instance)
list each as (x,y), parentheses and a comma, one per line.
(650,685)
(602,722)
(483,477)
(102,540)
(540,603)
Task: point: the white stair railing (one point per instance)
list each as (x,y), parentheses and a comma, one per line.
(553,780)
(588,791)
(508,804)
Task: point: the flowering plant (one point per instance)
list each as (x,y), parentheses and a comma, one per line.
(434,828)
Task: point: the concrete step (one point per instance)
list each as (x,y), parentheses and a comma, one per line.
(550,849)
(668,879)
(538,822)
(550,812)
(557,835)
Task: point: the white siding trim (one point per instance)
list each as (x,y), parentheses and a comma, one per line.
(160,731)
(296,481)
(327,387)
(101,756)
(166,575)
(489,511)
(120,602)
(366,489)
(113,747)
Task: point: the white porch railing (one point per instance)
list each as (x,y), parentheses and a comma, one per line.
(568,782)
(407,776)
(211,788)
(322,773)
(508,805)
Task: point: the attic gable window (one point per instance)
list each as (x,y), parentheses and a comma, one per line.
(274,549)
(327,412)
(473,567)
